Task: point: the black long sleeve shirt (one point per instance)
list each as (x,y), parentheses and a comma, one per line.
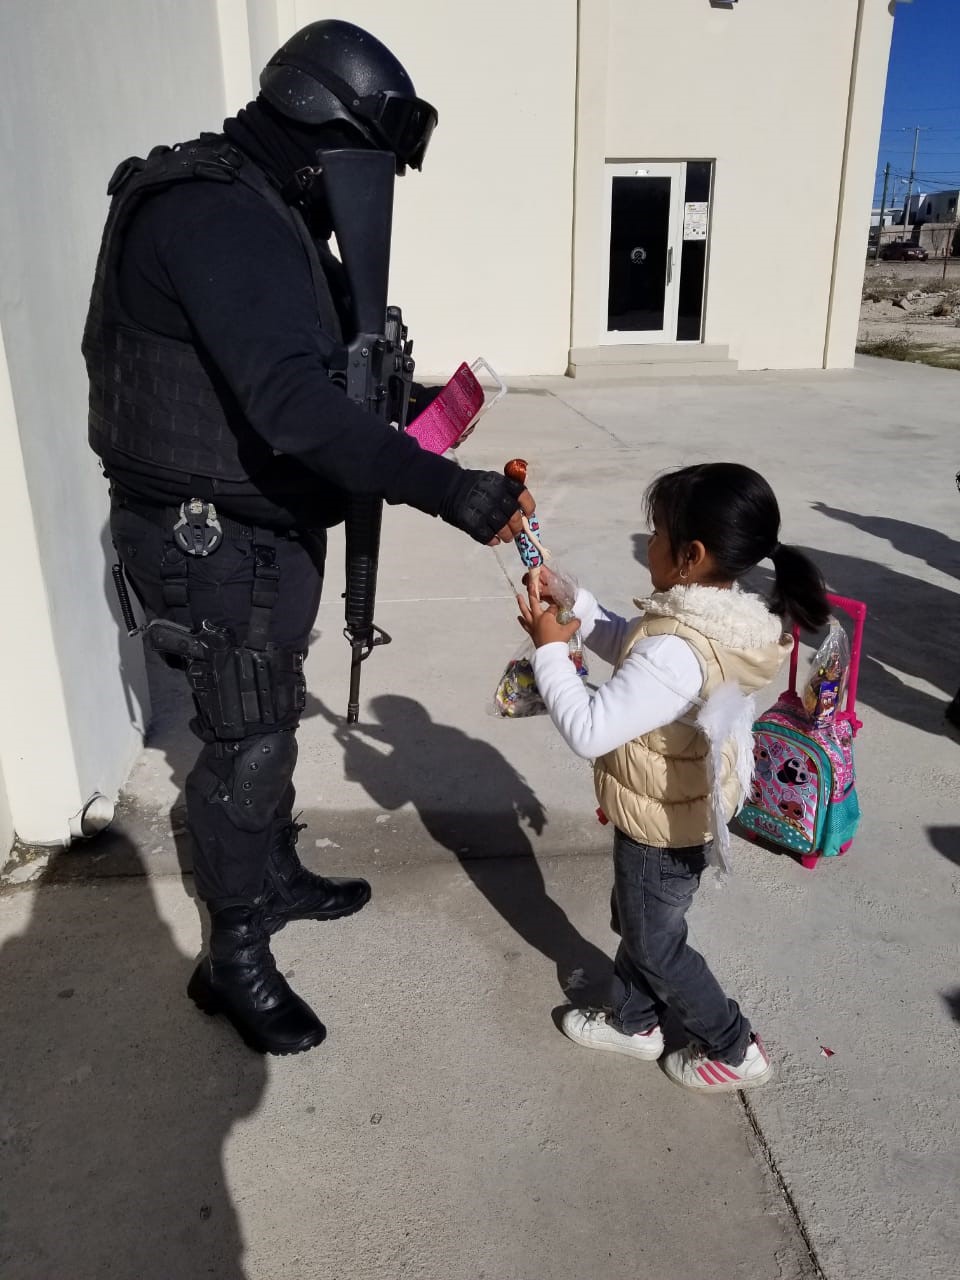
(212,264)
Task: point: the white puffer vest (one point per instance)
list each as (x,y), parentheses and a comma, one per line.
(657,788)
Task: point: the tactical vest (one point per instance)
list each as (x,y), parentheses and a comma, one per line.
(152,402)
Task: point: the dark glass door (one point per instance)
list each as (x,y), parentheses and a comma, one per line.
(693,263)
(641,211)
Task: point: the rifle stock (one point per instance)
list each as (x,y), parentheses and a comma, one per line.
(375,368)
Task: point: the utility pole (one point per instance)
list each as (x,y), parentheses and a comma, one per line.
(883,206)
(918,129)
(948,247)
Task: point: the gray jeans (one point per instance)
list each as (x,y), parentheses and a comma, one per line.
(655,969)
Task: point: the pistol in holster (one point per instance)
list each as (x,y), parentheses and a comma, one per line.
(238,691)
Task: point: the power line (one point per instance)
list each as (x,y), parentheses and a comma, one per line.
(951,151)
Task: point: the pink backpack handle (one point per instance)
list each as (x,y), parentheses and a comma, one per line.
(857,610)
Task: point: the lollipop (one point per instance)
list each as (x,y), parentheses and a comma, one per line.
(532,552)
(517,694)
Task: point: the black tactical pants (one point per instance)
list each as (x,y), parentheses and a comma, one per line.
(239,793)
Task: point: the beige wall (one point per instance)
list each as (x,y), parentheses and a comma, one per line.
(482,238)
(865,110)
(36,751)
(763,90)
(482,265)
(6,820)
(80,93)
(484,246)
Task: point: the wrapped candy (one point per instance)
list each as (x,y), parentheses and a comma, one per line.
(517,694)
(532,552)
(826,684)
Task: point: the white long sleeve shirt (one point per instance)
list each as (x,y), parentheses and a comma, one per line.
(633,701)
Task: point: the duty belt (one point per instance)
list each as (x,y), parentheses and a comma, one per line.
(174,567)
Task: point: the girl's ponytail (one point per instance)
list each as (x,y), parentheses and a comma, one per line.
(799,592)
(733,511)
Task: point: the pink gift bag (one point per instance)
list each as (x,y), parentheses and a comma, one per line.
(454,413)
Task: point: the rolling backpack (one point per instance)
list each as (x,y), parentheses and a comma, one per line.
(804,793)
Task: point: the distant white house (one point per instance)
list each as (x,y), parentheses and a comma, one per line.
(935,206)
(891,215)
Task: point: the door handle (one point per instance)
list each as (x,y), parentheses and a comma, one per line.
(670,265)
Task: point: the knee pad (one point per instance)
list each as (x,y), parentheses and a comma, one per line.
(251,790)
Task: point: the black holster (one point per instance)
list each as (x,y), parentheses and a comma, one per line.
(238,691)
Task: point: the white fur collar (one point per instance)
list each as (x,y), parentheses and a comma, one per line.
(734,618)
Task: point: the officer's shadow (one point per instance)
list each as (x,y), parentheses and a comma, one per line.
(118,1096)
(474,803)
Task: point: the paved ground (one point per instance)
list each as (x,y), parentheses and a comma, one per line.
(446,1129)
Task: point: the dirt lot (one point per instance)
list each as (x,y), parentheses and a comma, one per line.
(910,312)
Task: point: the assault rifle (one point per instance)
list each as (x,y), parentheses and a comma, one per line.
(374,367)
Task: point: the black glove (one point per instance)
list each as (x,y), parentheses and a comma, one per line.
(481,503)
(420,398)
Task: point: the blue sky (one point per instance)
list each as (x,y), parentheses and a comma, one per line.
(923,88)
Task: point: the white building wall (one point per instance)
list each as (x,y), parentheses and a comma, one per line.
(763,90)
(483,257)
(867,84)
(83,87)
(482,237)
(36,752)
(6,818)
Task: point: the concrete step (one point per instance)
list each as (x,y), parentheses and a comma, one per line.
(655,360)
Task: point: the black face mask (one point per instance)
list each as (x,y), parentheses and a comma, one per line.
(289,154)
(282,147)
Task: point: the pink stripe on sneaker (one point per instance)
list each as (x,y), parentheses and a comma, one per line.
(709,1073)
(726,1072)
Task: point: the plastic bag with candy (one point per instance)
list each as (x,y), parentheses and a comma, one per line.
(517,694)
(826,684)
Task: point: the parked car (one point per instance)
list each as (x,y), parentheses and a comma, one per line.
(903,251)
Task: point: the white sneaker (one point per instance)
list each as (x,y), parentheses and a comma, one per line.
(590,1028)
(693,1069)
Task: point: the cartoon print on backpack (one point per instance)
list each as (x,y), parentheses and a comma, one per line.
(792,773)
(793,813)
(763,763)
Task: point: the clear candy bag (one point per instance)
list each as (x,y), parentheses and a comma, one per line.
(516,693)
(826,684)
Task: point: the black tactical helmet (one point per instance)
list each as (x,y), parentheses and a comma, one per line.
(334,70)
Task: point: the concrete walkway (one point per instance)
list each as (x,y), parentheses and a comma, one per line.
(446,1130)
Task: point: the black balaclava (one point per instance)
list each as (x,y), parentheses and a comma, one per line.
(281,147)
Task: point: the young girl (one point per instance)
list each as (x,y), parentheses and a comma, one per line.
(699,630)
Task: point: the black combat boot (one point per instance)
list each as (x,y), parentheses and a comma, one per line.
(239,979)
(291,892)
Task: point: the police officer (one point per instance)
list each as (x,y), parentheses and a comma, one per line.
(229,452)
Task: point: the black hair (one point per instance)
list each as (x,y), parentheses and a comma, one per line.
(733,511)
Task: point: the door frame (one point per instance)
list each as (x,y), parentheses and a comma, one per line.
(676,170)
